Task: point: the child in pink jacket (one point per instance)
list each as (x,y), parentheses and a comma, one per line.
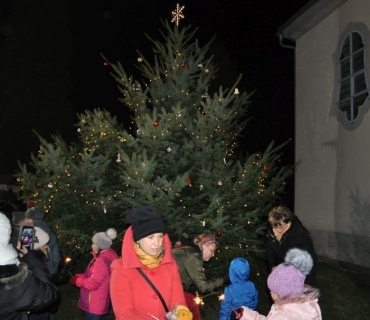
(94,283)
(293,300)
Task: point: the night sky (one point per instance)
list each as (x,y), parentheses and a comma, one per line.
(245,29)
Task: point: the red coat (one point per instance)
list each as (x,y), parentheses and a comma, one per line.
(132,296)
(94,284)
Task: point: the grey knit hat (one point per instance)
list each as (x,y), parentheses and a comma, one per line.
(103,240)
(145,221)
(35,213)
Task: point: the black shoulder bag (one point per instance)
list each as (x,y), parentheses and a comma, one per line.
(153,287)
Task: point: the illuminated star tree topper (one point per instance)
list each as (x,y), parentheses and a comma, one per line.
(177,14)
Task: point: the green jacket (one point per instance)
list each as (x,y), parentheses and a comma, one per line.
(190,262)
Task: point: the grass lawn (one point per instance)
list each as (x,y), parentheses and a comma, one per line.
(345,294)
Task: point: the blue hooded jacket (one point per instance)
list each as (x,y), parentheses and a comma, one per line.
(241,291)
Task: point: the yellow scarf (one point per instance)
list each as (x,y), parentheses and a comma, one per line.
(147,260)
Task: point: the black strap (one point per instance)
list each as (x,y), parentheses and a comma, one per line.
(154,288)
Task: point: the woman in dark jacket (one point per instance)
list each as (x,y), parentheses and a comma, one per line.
(25,283)
(287,232)
(190,261)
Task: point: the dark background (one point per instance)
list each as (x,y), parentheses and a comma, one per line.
(51,67)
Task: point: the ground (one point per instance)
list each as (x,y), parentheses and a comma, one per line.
(344,287)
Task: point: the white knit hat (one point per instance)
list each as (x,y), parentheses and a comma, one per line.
(8,255)
(41,238)
(5,230)
(103,240)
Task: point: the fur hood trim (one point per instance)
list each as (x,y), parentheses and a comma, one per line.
(16,279)
(310,294)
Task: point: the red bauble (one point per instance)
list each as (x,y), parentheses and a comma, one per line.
(264,167)
(39,185)
(183,65)
(73,240)
(105,64)
(200,149)
(129,205)
(219,233)
(30,203)
(104,173)
(155,123)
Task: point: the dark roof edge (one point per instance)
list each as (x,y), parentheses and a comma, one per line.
(307,17)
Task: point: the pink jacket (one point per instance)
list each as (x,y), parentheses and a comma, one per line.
(94,284)
(132,296)
(304,307)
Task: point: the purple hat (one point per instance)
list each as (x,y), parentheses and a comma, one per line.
(287,279)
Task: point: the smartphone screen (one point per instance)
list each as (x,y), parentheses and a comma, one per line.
(26,236)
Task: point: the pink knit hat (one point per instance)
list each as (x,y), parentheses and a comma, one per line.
(41,238)
(287,279)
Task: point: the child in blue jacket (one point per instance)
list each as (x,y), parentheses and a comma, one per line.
(241,291)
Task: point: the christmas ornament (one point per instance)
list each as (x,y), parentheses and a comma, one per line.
(30,203)
(236,91)
(139,132)
(140,59)
(183,65)
(39,185)
(264,167)
(118,158)
(169,149)
(219,233)
(104,173)
(50,185)
(105,64)
(73,240)
(214,78)
(177,14)
(206,70)
(155,123)
(129,205)
(219,183)
(200,149)
(188,180)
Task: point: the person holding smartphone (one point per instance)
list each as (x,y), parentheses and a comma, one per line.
(22,291)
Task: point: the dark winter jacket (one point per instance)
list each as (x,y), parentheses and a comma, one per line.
(241,291)
(26,287)
(54,259)
(190,262)
(296,236)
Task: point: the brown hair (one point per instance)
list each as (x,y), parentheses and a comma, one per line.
(280,214)
(203,238)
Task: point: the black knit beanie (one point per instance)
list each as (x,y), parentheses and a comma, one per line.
(145,221)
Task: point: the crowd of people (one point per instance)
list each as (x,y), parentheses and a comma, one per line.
(153,279)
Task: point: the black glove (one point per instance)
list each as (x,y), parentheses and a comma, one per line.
(191,289)
(227,279)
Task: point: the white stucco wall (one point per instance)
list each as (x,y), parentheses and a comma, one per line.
(332,195)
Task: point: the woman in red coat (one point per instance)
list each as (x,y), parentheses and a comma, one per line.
(146,247)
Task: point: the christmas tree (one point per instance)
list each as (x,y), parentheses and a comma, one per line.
(179,154)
